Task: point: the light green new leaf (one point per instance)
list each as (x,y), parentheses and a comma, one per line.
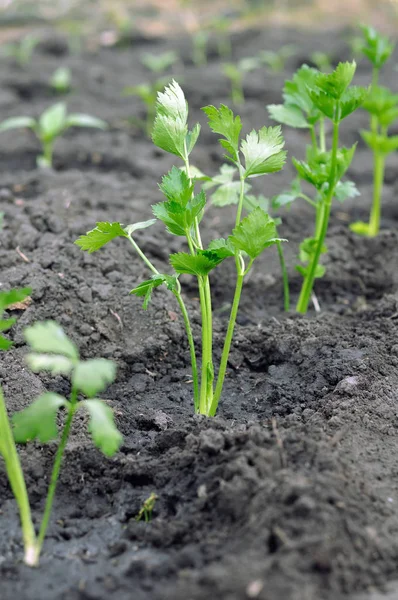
(335,84)
(288,115)
(222,248)
(50,337)
(286,198)
(352,99)
(103,233)
(55,364)
(102,427)
(172,103)
(52,122)
(376,47)
(380,143)
(263,151)
(222,120)
(191,138)
(38,421)
(81,120)
(345,190)
(146,287)
(129,229)
(170,127)
(92,376)
(256,232)
(199,265)
(176,186)
(324,103)
(17,123)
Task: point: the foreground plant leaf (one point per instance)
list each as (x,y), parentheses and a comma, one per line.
(256,232)
(38,421)
(50,337)
(146,287)
(7,299)
(103,233)
(263,151)
(102,427)
(223,121)
(92,376)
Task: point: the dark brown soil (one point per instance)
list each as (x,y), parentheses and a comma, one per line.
(291,493)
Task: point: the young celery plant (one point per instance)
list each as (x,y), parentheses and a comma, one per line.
(276,60)
(50,125)
(382,105)
(261,152)
(60,81)
(236,73)
(159,63)
(148,93)
(22,51)
(310,98)
(52,351)
(199,47)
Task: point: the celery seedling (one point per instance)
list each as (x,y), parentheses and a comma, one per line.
(221,26)
(322,61)
(22,51)
(52,351)
(276,60)
(60,80)
(159,63)
(146,509)
(50,125)
(235,73)
(199,47)
(147,92)
(259,153)
(310,98)
(382,105)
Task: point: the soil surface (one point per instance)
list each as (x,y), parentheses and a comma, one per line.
(291,492)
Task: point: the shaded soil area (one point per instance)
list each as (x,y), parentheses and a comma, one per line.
(291,492)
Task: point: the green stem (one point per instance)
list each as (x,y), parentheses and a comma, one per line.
(191,343)
(203,404)
(320,209)
(306,290)
(313,137)
(188,328)
(378,180)
(17,482)
(237,93)
(55,472)
(285,277)
(322,137)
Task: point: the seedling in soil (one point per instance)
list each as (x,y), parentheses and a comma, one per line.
(276,61)
(22,51)
(146,509)
(310,99)
(259,153)
(382,105)
(148,93)
(159,63)
(322,61)
(52,123)
(221,26)
(236,73)
(53,352)
(199,48)
(60,80)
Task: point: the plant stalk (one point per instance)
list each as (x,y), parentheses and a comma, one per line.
(308,284)
(379,166)
(285,277)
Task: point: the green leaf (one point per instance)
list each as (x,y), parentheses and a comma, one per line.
(17,123)
(352,99)
(297,92)
(48,336)
(286,198)
(178,218)
(56,364)
(222,248)
(345,190)
(102,427)
(288,115)
(81,120)
(222,120)
(256,232)
(157,63)
(7,299)
(200,265)
(308,248)
(38,421)
(319,271)
(191,138)
(263,151)
(146,287)
(170,127)
(380,101)
(250,202)
(335,84)
(103,233)
(92,376)
(361,228)
(380,143)
(376,47)
(129,229)
(176,186)
(52,122)
(61,79)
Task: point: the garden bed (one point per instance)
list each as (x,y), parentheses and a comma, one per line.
(291,492)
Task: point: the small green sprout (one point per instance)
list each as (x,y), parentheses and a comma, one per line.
(52,351)
(159,63)
(261,152)
(146,509)
(147,92)
(382,106)
(221,26)
(50,125)
(60,80)
(276,60)
(236,73)
(309,99)
(22,51)
(322,61)
(199,47)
